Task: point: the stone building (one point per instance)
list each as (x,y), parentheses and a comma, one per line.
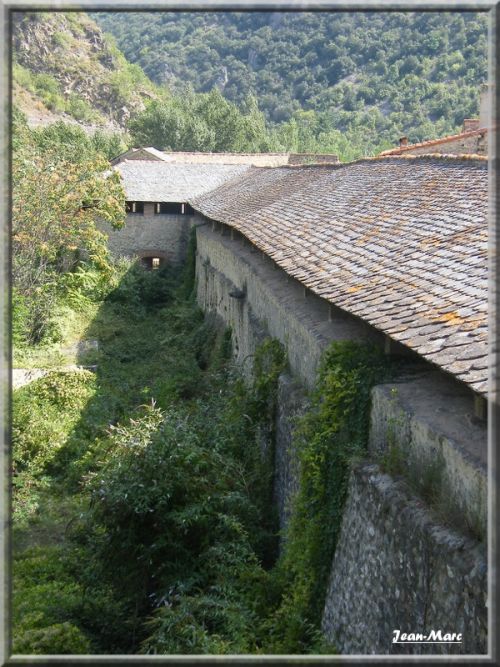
(471,141)
(158,213)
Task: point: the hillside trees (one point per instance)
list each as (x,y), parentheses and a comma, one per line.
(201,122)
(60,186)
(319,61)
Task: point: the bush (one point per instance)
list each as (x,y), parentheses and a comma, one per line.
(59,638)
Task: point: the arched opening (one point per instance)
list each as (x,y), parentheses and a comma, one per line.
(153,262)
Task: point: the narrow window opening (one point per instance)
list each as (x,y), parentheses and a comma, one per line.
(168,208)
(152,263)
(135,207)
(188,209)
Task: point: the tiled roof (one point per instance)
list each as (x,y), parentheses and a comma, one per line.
(398,242)
(155,153)
(145,180)
(252,159)
(434,142)
(197,157)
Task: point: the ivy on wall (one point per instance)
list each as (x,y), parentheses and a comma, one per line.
(332,433)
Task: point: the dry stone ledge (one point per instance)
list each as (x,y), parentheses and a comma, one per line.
(24,376)
(430,419)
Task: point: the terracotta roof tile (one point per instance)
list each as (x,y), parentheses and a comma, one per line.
(399,150)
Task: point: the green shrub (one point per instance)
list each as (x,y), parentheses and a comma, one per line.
(59,638)
(329,436)
(20,319)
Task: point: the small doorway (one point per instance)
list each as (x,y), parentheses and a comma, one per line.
(152,263)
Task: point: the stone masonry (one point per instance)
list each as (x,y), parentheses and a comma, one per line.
(395,568)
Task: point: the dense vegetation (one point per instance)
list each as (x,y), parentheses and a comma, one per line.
(138,501)
(364,76)
(142,491)
(349,84)
(61,185)
(202,122)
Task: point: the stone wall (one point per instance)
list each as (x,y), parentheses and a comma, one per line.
(305,158)
(396,568)
(151,234)
(255,298)
(292,403)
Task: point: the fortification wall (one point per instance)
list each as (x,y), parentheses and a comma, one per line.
(396,568)
(257,299)
(146,235)
(439,446)
(396,565)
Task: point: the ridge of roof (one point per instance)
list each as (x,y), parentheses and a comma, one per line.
(434,142)
(221,153)
(426,157)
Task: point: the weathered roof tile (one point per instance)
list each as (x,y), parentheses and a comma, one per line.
(159,181)
(399,242)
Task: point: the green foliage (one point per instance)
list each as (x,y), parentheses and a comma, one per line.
(58,638)
(331,434)
(168,455)
(60,189)
(367,77)
(19,318)
(53,612)
(172,528)
(203,122)
(71,142)
(43,414)
(46,87)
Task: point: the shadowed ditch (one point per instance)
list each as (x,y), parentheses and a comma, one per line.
(154,527)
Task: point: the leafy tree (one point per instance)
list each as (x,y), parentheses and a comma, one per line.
(204,122)
(59,192)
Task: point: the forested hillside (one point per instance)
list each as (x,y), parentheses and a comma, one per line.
(65,68)
(349,84)
(375,74)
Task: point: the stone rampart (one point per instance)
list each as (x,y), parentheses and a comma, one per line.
(397,565)
(396,568)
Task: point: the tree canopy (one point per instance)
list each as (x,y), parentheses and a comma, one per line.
(61,186)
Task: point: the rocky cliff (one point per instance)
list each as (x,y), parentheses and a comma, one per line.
(65,68)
